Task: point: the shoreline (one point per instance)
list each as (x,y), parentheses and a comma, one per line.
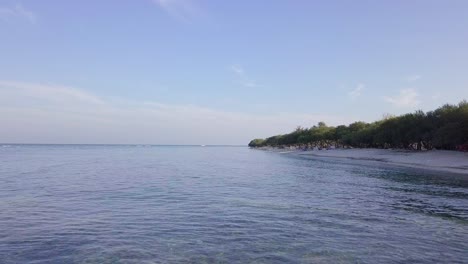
(432,160)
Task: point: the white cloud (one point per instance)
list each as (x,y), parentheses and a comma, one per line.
(413,78)
(406,98)
(41,113)
(182,10)
(354,94)
(8,14)
(244,79)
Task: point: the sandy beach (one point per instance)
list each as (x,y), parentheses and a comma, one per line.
(434,160)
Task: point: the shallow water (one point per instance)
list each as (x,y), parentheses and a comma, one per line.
(158,204)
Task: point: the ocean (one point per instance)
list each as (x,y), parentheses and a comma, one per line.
(221,204)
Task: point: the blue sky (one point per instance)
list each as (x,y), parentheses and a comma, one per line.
(221,72)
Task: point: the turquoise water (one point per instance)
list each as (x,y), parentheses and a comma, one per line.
(156,204)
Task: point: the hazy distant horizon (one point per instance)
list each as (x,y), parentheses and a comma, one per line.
(191,72)
(117,144)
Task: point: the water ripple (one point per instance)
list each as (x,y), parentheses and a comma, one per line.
(127,204)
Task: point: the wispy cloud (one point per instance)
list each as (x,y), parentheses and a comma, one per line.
(238,69)
(356,93)
(435,96)
(9,14)
(50,93)
(413,78)
(243,78)
(43,113)
(406,98)
(182,10)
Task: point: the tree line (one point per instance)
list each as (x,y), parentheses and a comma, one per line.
(444,128)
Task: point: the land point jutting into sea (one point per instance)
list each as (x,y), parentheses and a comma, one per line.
(445,128)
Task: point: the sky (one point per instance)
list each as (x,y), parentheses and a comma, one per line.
(221,72)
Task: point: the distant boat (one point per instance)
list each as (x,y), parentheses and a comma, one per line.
(202,145)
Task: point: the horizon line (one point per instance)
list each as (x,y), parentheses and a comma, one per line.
(129,144)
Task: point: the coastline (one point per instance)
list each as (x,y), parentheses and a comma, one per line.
(433,160)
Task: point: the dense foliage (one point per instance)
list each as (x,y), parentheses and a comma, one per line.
(443,128)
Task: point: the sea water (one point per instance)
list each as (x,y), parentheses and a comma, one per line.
(179,204)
